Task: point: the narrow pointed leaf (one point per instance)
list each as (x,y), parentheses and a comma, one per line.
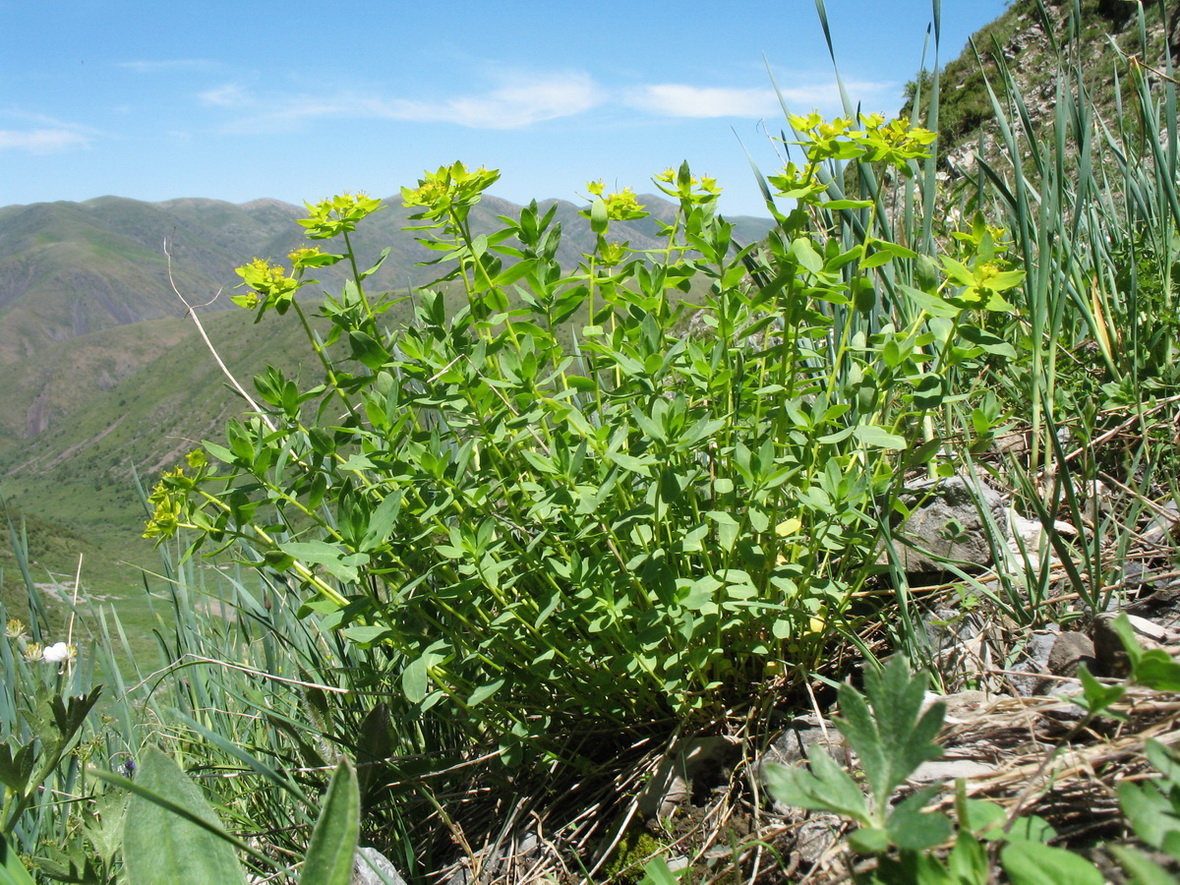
(333,842)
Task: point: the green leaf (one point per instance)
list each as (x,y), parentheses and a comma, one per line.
(1142,869)
(1030,863)
(1148,810)
(339,563)
(1156,670)
(895,738)
(931,304)
(598,217)
(333,842)
(879,437)
(16,770)
(382,521)
(911,829)
(162,846)
(657,872)
(967,862)
(416,676)
(12,872)
(827,787)
(987,342)
(483,692)
(1122,626)
(805,253)
(869,840)
(1096,697)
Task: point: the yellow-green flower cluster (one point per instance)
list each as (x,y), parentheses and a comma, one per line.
(620,206)
(269,286)
(339,215)
(877,140)
(168,507)
(797,184)
(449,193)
(680,183)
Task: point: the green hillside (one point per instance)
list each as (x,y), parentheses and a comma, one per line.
(108,380)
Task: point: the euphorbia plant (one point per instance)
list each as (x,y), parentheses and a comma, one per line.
(564,505)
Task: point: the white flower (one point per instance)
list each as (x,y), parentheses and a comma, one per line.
(58,652)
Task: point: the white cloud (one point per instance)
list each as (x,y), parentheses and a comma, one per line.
(681,100)
(518,101)
(42,141)
(228,95)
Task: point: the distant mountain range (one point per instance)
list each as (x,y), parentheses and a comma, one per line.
(102,374)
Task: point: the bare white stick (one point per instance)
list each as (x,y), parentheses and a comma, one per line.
(190,311)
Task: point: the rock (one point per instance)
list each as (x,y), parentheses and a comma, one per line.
(1027,539)
(1162,606)
(795,746)
(1163,525)
(1034,661)
(687,767)
(951,769)
(1070,650)
(962,706)
(945,524)
(816,836)
(1109,651)
(371,867)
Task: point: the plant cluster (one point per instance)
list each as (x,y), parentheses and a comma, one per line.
(606,497)
(891,731)
(609,501)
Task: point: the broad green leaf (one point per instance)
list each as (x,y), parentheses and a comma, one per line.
(869,840)
(16,770)
(1030,863)
(12,872)
(598,217)
(1096,697)
(382,521)
(934,305)
(657,872)
(416,676)
(1164,759)
(162,847)
(368,350)
(878,437)
(895,737)
(911,868)
(1157,670)
(1148,810)
(827,787)
(987,342)
(1142,869)
(366,636)
(483,692)
(1122,626)
(340,563)
(911,829)
(333,841)
(804,252)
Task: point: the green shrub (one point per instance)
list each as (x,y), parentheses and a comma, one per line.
(560,530)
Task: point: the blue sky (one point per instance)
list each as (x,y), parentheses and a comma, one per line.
(300,100)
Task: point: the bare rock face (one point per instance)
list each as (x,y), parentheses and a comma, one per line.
(947,523)
(685,769)
(371,867)
(1070,650)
